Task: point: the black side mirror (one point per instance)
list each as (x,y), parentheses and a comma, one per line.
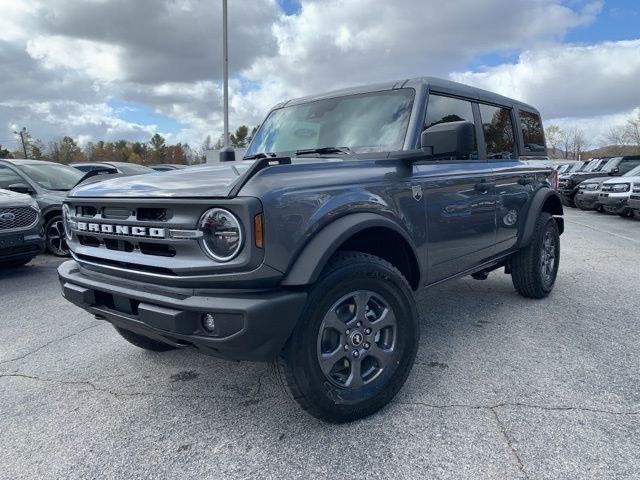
(21,188)
(452,139)
(614,171)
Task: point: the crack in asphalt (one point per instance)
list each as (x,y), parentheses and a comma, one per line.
(251,399)
(51,342)
(523,405)
(514,452)
(493,409)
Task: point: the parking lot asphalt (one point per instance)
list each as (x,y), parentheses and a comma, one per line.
(503,387)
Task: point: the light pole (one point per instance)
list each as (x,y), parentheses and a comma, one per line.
(24,146)
(227,154)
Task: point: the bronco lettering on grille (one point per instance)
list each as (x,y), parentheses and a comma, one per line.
(124,230)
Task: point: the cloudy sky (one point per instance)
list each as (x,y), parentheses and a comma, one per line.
(125,69)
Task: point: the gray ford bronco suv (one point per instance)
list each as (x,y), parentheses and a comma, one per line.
(310,250)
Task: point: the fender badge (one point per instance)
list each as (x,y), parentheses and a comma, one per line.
(416,190)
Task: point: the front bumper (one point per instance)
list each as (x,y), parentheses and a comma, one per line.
(250,325)
(588,200)
(614,203)
(634,202)
(22,245)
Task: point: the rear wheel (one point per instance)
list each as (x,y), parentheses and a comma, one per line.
(143,342)
(356,341)
(534,268)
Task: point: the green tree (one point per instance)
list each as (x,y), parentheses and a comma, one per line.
(4,153)
(240,138)
(159,148)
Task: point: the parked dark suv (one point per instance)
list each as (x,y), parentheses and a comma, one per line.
(48,183)
(312,250)
(617,166)
(21,233)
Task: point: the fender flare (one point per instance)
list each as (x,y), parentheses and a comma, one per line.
(314,256)
(543,197)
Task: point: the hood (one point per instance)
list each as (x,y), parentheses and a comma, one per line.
(580,177)
(598,180)
(623,179)
(13,199)
(196,182)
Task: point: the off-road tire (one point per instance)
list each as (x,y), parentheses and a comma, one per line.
(527,264)
(143,342)
(298,365)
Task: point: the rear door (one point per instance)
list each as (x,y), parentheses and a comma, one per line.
(459,197)
(515,179)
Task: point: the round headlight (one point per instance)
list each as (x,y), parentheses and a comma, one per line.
(222,234)
(66,214)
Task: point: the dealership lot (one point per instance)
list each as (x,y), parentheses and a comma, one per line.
(503,387)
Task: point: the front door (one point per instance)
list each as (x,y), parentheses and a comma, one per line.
(459,197)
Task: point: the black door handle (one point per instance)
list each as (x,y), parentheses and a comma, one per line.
(484,187)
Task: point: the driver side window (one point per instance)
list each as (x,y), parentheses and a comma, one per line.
(441,109)
(8,177)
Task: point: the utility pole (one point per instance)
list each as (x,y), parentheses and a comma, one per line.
(24,146)
(227,154)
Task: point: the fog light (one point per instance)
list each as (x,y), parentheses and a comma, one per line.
(209,322)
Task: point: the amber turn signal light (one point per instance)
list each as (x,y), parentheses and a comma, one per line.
(258,229)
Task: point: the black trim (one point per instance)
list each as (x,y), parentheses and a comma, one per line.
(314,256)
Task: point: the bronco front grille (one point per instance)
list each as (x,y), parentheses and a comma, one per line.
(17,218)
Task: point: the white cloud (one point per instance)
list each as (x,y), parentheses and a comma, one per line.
(569,80)
(98,60)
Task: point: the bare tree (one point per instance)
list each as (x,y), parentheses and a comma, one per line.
(552,136)
(616,139)
(632,132)
(578,142)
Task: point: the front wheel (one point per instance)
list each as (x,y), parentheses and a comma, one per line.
(55,238)
(534,268)
(356,341)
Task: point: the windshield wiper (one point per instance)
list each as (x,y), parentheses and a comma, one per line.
(259,155)
(324,150)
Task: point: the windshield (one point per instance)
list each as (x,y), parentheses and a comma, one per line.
(371,122)
(593,166)
(576,167)
(633,173)
(610,164)
(51,176)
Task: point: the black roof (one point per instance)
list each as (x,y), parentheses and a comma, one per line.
(432,83)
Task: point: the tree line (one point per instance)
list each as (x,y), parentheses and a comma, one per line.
(153,152)
(572,143)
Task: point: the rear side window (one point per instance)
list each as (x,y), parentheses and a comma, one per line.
(498,132)
(532,133)
(8,177)
(446,109)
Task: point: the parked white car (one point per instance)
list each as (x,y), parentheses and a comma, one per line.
(616,193)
